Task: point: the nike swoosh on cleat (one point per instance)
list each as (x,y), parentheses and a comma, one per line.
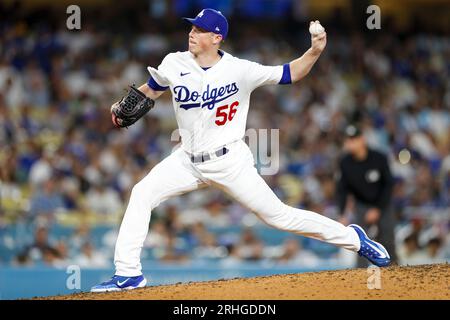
(381,253)
(122,283)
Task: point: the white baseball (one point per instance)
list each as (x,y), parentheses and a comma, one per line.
(316,28)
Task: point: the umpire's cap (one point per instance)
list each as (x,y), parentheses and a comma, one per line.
(352,131)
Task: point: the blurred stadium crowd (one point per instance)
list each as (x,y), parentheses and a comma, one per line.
(63,166)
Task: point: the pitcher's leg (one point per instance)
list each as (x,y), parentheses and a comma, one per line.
(250,189)
(170,177)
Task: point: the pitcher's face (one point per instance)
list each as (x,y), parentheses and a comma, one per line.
(201,40)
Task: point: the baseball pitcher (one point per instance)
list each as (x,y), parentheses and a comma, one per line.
(211,94)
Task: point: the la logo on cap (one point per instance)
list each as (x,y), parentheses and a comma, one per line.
(201,13)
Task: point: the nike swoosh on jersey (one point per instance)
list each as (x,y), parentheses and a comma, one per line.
(183,74)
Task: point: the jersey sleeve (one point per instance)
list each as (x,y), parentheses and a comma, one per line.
(159,80)
(257,75)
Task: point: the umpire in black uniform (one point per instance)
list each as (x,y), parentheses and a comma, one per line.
(364,173)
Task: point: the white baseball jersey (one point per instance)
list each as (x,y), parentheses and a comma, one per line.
(211,106)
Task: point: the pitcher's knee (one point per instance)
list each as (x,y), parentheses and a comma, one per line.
(144,192)
(278,217)
(138,190)
(290,219)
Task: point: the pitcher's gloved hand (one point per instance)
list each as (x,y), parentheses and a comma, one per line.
(133,106)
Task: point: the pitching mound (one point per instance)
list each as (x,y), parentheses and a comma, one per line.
(418,282)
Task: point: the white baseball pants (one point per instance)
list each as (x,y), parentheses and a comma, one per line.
(234,173)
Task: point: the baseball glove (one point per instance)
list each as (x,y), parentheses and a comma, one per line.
(133,106)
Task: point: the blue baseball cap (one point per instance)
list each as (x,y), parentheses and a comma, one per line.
(212,21)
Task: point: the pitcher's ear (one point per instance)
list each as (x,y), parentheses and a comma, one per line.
(218,38)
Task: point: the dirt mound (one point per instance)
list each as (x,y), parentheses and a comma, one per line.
(417,282)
